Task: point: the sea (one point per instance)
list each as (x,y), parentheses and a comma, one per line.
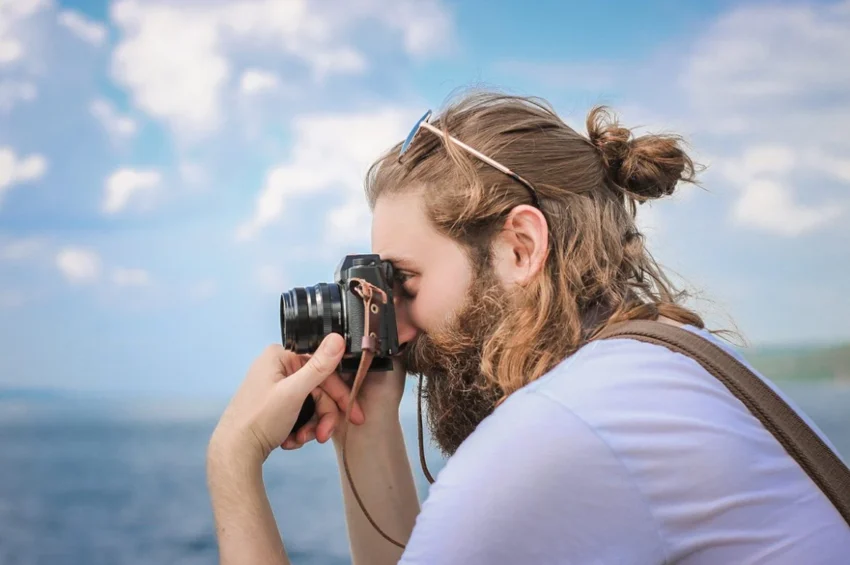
(127,486)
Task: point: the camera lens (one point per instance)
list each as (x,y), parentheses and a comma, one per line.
(309,314)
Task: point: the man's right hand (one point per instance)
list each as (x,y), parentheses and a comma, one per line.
(379,399)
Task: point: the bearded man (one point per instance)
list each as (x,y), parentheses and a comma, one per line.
(514,241)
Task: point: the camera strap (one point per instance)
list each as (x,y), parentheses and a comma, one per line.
(374,300)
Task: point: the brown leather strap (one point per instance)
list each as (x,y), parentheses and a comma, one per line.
(421,434)
(371,334)
(822,464)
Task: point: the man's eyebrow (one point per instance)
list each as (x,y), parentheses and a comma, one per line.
(400,262)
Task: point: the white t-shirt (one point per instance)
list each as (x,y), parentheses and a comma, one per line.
(626,453)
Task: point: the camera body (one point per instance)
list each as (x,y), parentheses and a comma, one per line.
(309,314)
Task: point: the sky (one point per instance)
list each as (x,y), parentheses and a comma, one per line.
(167,169)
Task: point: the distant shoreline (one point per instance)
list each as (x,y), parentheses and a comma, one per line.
(821,364)
(826,363)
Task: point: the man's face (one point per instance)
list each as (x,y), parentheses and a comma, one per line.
(445,311)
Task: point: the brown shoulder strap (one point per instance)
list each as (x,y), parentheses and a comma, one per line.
(822,464)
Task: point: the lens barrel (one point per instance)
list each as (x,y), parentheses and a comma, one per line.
(308,314)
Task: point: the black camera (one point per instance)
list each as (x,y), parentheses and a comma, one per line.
(309,314)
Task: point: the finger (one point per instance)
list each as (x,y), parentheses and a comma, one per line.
(308,430)
(291,441)
(320,365)
(326,427)
(327,413)
(295,444)
(340,392)
(306,434)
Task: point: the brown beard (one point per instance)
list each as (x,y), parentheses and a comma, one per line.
(457,394)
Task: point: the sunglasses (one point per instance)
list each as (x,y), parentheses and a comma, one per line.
(424,123)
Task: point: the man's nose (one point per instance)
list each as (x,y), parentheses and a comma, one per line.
(406,330)
(406,333)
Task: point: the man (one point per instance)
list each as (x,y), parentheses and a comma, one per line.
(515,242)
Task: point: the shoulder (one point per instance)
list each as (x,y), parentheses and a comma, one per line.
(615,385)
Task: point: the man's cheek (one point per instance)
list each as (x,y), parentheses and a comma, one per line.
(418,316)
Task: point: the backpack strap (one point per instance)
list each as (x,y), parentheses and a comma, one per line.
(822,464)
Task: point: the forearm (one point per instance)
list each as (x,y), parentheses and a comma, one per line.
(383,478)
(244,522)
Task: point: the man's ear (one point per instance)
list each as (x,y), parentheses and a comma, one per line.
(521,248)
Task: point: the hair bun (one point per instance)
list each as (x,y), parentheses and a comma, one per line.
(647,167)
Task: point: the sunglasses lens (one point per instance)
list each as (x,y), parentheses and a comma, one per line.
(413,131)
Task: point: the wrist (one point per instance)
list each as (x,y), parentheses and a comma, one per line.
(377,428)
(235,459)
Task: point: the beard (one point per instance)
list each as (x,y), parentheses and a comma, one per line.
(457,394)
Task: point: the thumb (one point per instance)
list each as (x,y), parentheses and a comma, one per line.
(319,367)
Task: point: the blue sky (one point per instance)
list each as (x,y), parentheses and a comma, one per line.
(168,168)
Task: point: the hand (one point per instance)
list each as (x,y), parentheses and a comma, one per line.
(264,409)
(380,397)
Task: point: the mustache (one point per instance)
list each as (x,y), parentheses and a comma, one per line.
(441,353)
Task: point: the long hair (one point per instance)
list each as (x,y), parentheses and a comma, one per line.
(598,269)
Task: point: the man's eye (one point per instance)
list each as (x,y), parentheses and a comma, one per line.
(401,280)
(401,277)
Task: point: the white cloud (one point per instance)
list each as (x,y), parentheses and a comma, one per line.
(768,205)
(323,159)
(257,80)
(79,265)
(767,201)
(774,53)
(14,170)
(86,29)
(425,25)
(192,174)
(175,59)
(20,249)
(116,124)
(13,14)
(169,60)
(270,278)
(125,185)
(824,162)
(130,277)
(773,84)
(14,91)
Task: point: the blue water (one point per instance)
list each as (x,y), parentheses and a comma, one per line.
(121,490)
(88,489)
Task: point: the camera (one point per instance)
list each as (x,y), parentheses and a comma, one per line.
(309,314)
